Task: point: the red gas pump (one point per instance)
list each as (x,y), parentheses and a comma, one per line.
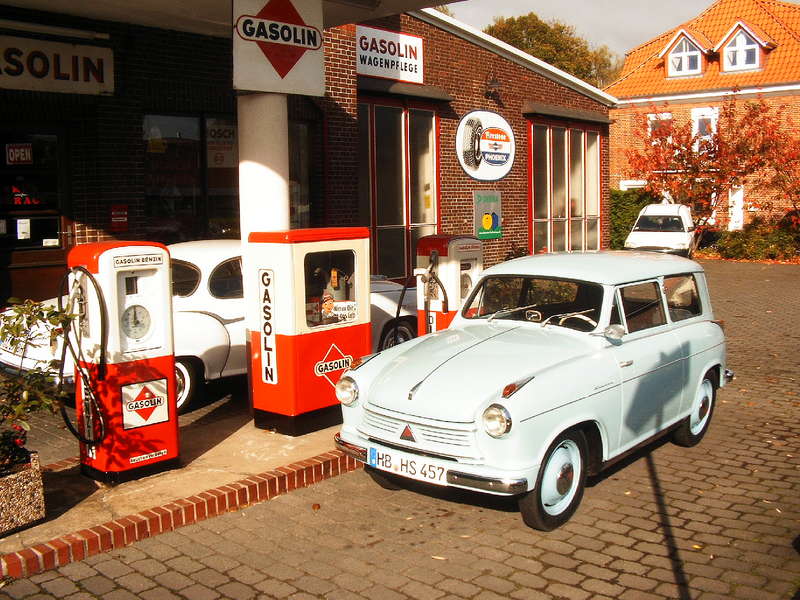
(447,268)
(122,343)
(311,320)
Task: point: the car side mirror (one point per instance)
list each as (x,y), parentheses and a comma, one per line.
(691,228)
(614,333)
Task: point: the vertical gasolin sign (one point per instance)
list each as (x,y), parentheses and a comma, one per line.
(277,46)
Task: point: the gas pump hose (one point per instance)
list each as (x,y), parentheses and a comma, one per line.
(77,356)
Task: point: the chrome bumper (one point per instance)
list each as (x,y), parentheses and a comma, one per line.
(510,487)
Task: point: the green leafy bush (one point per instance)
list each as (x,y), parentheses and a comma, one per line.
(758,241)
(625,207)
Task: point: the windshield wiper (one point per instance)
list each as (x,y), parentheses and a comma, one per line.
(579,314)
(509,311)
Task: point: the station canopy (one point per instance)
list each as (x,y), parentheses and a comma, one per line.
(210,17)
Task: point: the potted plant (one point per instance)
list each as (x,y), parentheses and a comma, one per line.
(23,393)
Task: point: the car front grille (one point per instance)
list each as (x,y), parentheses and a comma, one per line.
(455,440)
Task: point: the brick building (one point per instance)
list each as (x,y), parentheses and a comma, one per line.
(115,130)
(750,47)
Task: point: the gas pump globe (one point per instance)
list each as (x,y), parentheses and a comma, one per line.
(125,369)
(447,268)
(311,320)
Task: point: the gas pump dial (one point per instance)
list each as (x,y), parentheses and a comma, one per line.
(136,321)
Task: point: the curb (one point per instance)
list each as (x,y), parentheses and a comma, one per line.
(173,515)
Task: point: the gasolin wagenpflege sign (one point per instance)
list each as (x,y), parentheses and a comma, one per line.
(144,403)
(277,46)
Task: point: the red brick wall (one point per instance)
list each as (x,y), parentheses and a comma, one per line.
(462,69)
(622,136)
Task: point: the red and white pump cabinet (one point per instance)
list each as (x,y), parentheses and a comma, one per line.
(447,268)
(310,321)
(126,352)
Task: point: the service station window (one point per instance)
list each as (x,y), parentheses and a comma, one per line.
(330,287)
(397,181)
(565,168)
(30,195)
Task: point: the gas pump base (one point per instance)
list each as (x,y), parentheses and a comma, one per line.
(299,424)
(115,477)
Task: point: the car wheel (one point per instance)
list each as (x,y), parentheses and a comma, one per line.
(694,427)
(396,332)
(187,383)
(559,485)
(386,480)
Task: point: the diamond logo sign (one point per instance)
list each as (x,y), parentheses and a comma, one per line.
(285,33)
(144,403)
(333,365)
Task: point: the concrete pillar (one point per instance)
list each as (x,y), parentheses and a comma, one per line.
(263,163)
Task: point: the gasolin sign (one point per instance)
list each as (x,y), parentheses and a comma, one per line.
(333,365)
(144,403)
(277,46)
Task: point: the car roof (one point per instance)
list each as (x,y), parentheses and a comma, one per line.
(664,209)
(607,267)
(205,250)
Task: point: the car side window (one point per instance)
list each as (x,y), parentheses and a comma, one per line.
(185,278)
(642,306)
(683,300)
(226,280)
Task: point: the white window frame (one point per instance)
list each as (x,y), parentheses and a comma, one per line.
(706,112)
(684,55)
(652,117)
(739,44)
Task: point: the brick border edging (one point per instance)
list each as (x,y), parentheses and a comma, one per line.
(173,515)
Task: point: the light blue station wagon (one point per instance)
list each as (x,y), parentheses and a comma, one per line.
(556,366)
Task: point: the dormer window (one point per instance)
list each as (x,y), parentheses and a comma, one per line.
(684,59)
(741,53)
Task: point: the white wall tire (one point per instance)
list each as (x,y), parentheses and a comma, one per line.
(694,427)
(187,383)
(559,486)
(472,143)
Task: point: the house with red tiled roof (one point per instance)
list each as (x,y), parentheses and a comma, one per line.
(747,47)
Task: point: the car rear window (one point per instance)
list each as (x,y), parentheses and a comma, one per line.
(226,279)
(185,278)
(658,223)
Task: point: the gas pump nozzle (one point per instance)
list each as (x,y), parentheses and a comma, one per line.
(431,281)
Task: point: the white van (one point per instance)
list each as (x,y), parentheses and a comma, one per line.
(663,228)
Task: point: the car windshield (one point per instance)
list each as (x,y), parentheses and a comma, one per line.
(658,223)
(564,302)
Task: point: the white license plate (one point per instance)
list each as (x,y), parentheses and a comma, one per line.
(407,465)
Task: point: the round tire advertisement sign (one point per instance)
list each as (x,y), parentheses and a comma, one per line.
(485,145)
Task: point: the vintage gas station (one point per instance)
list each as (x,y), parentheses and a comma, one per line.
(409,146)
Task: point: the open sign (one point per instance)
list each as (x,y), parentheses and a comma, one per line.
(19,154)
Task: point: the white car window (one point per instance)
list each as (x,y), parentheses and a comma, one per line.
(643,306)
(226,280)
(185,278)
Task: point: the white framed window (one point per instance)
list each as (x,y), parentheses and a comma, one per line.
(684,59)
(741,53)
(704,123)
(656,121)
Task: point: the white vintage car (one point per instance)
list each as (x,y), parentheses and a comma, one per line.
(208,317)
(556,366)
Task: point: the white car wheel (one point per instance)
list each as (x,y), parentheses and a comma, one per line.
(560,484)
(694,427)
(186,383)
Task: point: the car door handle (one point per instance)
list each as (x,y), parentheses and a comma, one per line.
(626,363)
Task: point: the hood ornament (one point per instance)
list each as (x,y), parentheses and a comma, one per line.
(413,391)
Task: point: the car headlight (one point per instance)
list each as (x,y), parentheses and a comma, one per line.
(347,391)
(496,421)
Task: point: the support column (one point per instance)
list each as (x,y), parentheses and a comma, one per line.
(263,163)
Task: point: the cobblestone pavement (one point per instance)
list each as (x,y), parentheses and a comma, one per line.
(721,520)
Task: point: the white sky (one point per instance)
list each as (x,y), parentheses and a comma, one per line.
(620,24)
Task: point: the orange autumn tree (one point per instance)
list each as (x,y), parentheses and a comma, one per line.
(700,168)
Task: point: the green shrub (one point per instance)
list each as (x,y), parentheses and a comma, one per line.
(625,207)
(758,241)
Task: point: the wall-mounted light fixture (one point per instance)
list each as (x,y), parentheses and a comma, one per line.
(493,86)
